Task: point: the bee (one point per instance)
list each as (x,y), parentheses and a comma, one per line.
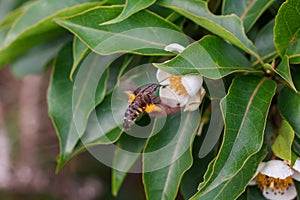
(141,100)
(145,100)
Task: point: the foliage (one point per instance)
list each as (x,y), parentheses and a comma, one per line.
(250,47)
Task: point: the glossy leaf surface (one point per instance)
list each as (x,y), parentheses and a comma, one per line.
(242,108)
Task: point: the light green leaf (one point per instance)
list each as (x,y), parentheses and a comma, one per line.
(236,185)
(283,70)
(167,155)
(79,53)
(289,106)
(71,103)
(287,23)
(210,57)
(248,11)
(246,104)
(293,51)
(35,60)
(229,27)
(36,25)
(264,43)
(7,14)
(126,35)
(128,152)
(283,143)
(131,7)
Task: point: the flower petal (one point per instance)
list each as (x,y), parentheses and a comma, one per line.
(297,165)
(171,98)
(296,176)
(288,194)
(195,101)
(192,83)
(277,169)
(163,77)
(174,47)
(259,168)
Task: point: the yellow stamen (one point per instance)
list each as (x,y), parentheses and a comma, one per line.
(265,182)
(176,85)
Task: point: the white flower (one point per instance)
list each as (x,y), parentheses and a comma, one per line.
(274,178)
(180,90)
(296,169)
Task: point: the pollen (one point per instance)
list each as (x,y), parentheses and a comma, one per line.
(177,86)
(276,185)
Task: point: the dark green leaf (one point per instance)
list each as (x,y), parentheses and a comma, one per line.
(248,11)
(283,143)
(247,103)
(294,49)
(228,27)
(296,146)
(283,70)
(287,23)
(236,185)
(210,57)
(264,43)
(194,175)
(126,35)
(289,106)
(71,103)
(35,25)
(131,7)
(128,152)
(168,155)
(35,60)
(79,53)
(104,126)
(252,193)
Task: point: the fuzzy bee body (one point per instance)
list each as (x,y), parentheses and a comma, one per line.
(140,102)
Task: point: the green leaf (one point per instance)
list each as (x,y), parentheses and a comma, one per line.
(283,70)
(296,146)
(236,185)
(210,57)
(194,175)
(35,25)
(124,36)
(7,14)
(80,51)
(35,60)
(289,106)
(283,143)
(252,193)
(128,152)
(248,11)
(167,155)
(229,27)
(246,104)
(71,103)
(294,49)
(103,127)
(287,23)
(131,7)
(264,43)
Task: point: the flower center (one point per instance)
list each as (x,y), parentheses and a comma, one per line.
(176,85)
(275,184)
